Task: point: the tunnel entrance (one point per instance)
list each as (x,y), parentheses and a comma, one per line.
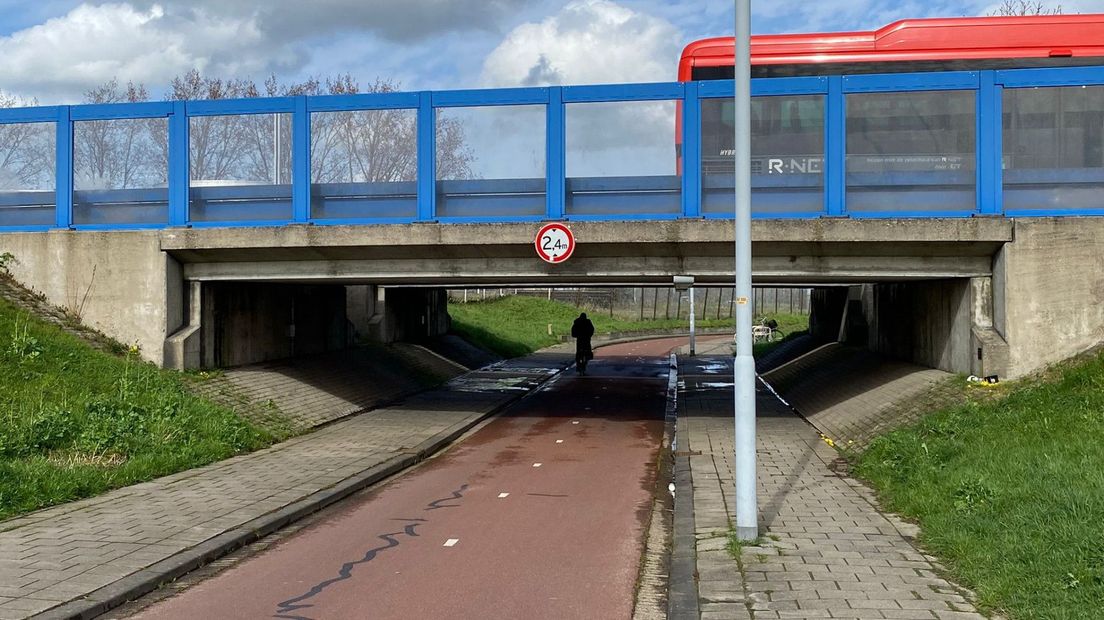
(258,322)
(231,323)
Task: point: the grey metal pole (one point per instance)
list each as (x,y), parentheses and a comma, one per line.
(747,513)
(691,320)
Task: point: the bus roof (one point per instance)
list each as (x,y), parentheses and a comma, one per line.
(940,39)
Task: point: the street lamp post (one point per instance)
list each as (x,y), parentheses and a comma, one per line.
(747,523)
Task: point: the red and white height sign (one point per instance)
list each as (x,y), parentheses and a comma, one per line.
(554,243)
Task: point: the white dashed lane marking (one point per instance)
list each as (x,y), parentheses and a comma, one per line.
(451,542)
(502,495)
(559,441)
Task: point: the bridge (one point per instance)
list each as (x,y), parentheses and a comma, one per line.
(942,213)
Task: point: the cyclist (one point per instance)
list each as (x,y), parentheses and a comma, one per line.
(582,330)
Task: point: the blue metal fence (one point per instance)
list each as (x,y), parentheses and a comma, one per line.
(1014,142)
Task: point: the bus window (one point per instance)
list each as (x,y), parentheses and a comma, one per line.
(1052,147)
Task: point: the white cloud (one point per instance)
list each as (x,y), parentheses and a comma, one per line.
(150,41)
(62,57)
(588,41)
(598,42)
(395,20)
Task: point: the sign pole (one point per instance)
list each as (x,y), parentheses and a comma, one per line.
(691,321)
(747,513)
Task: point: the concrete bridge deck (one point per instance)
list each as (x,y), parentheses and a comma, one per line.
(804,251)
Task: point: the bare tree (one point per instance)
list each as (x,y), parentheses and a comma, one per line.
(217,143)
(26,151)
(1026,7)
(121,153)
(366,146)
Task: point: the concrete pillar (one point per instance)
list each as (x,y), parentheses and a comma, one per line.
(184,348)
(360,307)
(990,355)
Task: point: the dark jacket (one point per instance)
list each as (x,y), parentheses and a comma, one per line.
(582,330)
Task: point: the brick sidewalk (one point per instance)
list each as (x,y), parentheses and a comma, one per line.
(851,394)
(85,555)
(827,552)
(310,391)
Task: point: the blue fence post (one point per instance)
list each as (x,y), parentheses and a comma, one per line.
(835,148)
(427,158)
(989,145)
(555,157)
(691,151)
(300,162)
(179,168)
(63,182)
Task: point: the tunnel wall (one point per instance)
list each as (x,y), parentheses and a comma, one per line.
(409,314)
(928,323)
(826,307)
(246,322)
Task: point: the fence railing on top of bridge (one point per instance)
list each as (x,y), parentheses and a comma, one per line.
(963,143)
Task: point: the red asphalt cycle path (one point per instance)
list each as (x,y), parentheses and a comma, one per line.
(564,543)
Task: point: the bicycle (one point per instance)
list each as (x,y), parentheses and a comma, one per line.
(766,330)
(581,360)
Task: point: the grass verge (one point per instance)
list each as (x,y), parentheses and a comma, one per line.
(518,325)
(1009,491)
(75,422)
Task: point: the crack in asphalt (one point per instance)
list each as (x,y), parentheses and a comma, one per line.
(288,609)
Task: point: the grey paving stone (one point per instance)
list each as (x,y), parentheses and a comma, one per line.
(827,551)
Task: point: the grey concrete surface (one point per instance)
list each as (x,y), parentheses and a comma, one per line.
(119,283)
(826,551)
(1048,290)
(88,555)
(607,252)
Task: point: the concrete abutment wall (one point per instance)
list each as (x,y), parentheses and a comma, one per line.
(1024,293)
(119,283)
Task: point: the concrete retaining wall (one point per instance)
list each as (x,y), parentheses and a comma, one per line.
(119,283)
(1048,290)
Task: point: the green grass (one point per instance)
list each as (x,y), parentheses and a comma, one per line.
(518,325)
(75,422)
(1009,491)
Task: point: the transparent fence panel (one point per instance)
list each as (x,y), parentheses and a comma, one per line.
(787,155)
(240,168)
(911,151)
(27,174)
(364,164)
(621,160)
(121,171)
(1053,148)
(490,161)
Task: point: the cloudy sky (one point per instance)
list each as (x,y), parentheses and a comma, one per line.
(55,50)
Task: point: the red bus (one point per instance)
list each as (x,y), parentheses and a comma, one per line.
(944,44)
(935,129)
